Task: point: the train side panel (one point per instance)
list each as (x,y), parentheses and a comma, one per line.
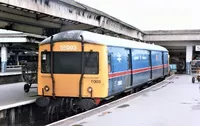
(166,61)
(120,69)
(157,64)
(140,66)
(132,67)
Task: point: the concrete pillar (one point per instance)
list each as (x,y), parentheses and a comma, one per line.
(4,57)
(17,58)
(12,120)
(189,52)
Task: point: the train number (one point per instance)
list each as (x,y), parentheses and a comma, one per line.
(95,81)
(68,47)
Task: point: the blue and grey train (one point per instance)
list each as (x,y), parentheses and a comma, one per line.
(136,64)
(82,67)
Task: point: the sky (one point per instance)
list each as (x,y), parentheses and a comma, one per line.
(152,14)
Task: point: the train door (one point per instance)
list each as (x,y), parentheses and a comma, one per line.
(128,79)
(166,62)
(150,65)
(110,71)
(163,62)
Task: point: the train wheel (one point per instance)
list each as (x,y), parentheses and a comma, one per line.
(53,113)
(132,90)
(193,79)
(26,88)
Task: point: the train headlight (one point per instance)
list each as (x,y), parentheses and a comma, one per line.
(46,88)
(44,57)
(89,89)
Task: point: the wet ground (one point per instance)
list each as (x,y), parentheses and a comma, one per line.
(175,104)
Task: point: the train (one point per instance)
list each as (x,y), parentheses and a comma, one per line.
(78,69)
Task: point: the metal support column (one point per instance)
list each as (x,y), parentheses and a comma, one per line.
(189,51)
(4,58)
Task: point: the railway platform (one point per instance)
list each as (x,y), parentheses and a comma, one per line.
(13,95)
(12,75)
(173,102)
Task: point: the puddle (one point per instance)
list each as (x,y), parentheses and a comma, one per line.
(160,87)
(196,107)
(83,122)
(194,102)
(79,124)
(123,106)
(186,103)
(104,113)
(145,95)
(170,82)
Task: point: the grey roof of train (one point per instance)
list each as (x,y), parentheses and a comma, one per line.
(90,37)
(100,13)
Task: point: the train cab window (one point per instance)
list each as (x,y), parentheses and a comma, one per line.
(45,62)
(70,62)
(91,63)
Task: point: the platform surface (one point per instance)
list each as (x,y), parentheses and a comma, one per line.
(13,95)
(11,72)
(176,104)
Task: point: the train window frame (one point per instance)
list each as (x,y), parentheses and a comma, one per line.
(79,70)
(43,61)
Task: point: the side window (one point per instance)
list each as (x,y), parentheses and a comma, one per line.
(92,63)
(109,63)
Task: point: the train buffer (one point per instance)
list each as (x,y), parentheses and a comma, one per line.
(173,102)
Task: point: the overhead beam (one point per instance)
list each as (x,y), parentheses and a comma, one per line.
(4,16)
(111,25)
(65,11)
(13,40)
(177,43)
(188,37)
(74,27)
(3,24)
(23,28)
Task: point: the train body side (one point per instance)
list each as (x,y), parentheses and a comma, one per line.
(132,67)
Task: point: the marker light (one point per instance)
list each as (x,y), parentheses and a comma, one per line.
(44,57)
(46,88)
(89,89)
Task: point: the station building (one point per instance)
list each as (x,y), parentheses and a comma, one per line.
(183,46)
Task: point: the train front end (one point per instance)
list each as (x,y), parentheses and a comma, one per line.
(72,70)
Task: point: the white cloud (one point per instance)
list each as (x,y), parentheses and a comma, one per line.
(152,14)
